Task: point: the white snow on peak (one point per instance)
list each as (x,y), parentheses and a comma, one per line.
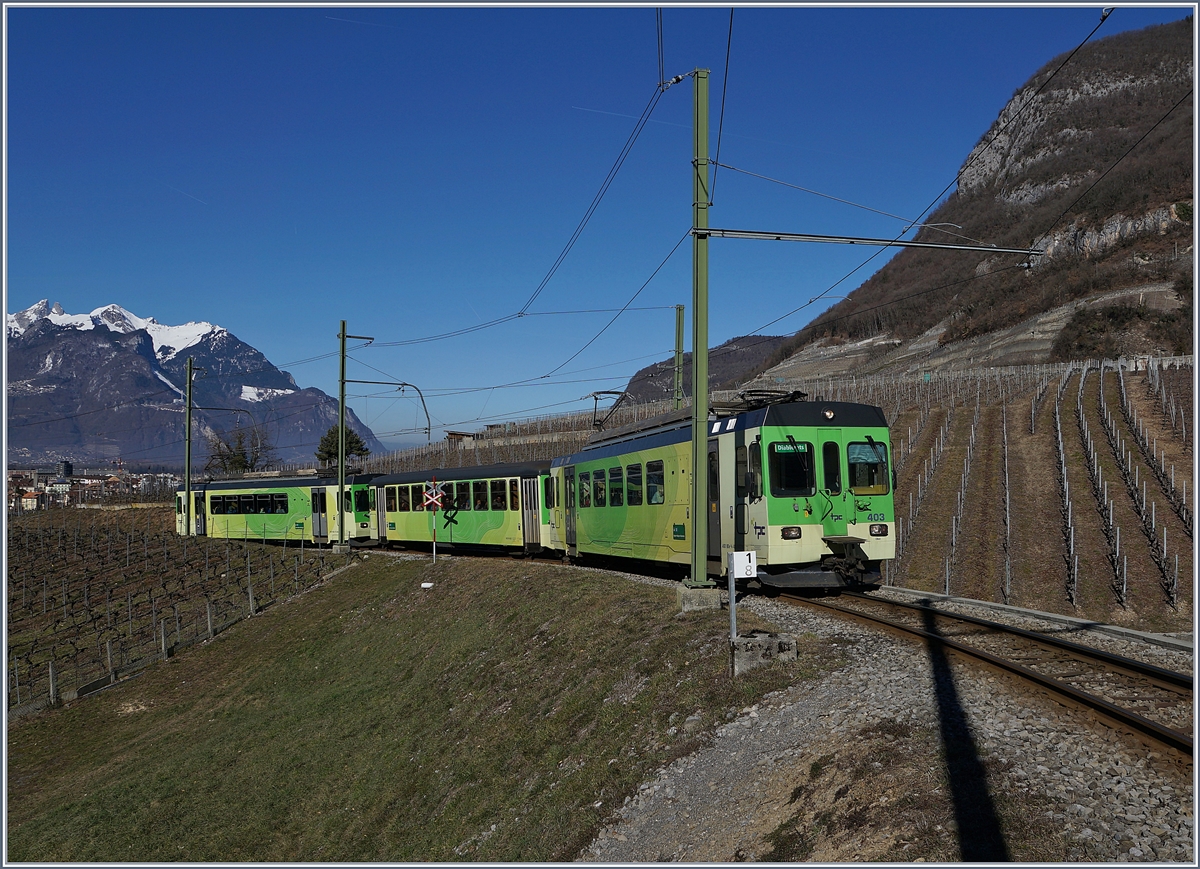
(168,340)
(261,393)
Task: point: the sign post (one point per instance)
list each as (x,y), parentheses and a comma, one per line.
(433,501)
(740,565)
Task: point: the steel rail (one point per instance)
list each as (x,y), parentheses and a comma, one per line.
(1121,717)
(1163,678)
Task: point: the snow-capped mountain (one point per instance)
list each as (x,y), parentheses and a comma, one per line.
(92,387)
(168,340)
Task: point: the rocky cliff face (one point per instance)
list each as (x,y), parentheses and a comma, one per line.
(94,387)
(1090,161)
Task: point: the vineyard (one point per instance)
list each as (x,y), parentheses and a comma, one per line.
(1053,487)
(94,595)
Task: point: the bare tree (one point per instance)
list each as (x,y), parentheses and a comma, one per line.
(240,451)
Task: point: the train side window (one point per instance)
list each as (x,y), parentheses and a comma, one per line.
(462,496)
(480,488)
(400,496)
(389,499)
(280,502)
(598,490)
(262,503)
(754,471)
(790,467)
(741,472)
(585,489)
(655,483)
(867,465)
(499,501)
(633,485)
(831,460)
(246,504)
(216,505)
(514,495)
(418,497)
(179,505)
(548,493)
(616,487)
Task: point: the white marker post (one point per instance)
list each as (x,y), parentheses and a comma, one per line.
(739,565)
(433,501)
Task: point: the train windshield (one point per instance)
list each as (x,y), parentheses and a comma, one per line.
(362,501)
(868,468)
(790,468)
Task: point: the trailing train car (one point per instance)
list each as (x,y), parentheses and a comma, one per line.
(804,484)
(281,509)
(494,506)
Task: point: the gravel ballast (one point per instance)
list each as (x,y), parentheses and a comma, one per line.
(853,766)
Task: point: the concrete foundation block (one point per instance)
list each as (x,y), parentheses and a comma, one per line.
(690,599)
(758,648)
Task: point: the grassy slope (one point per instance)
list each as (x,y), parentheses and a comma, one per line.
(370,720)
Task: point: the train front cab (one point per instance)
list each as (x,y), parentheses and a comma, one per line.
(810,494)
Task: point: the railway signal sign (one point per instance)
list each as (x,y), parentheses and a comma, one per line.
(434,492)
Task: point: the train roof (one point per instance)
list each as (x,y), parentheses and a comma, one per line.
(277,482)
(676,426)
(467,472)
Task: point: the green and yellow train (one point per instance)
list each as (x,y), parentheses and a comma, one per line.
(805,485)
(273,508)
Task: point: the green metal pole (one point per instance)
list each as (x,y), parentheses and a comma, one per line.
(678,357)
(341,439)
(187,455)
(700,188)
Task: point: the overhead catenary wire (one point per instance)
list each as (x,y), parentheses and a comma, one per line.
(721,118)
(912,223)
(445,391)
(591,209)
(936,199)
(1117,162)
(592,340)
(661,73)
(1003,127)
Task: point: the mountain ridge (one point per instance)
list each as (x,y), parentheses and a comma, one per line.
(1091,161)
(110,384)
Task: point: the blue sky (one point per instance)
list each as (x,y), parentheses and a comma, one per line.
(415,171)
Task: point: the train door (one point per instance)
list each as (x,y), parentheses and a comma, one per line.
(569,523)
(320,524)
(714,503)
(376,498)
(531,514)
(198,500)
(378,522)
(832,490)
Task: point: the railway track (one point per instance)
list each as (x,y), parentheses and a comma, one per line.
(1149,700)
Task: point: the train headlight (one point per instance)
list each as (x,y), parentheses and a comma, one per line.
(879,530)
(791,532)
